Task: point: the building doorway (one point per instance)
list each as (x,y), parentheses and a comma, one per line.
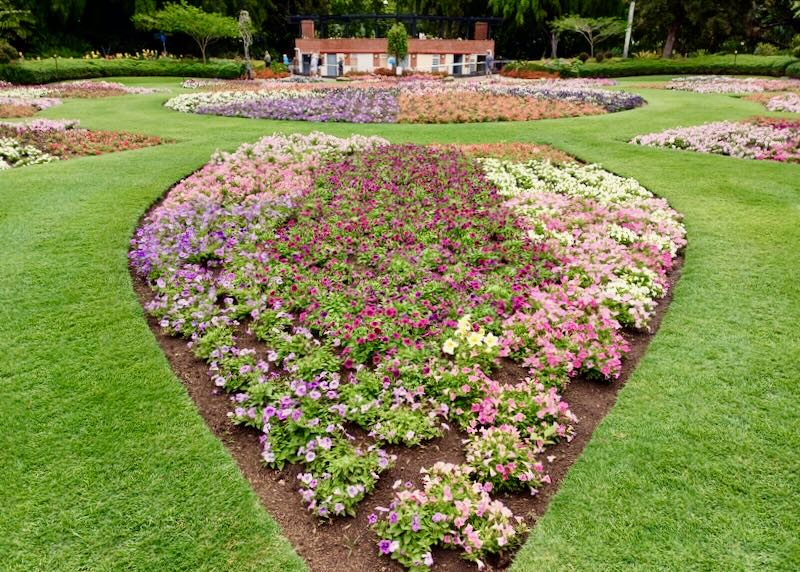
(458,59)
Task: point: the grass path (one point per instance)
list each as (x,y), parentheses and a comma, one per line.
(106,464)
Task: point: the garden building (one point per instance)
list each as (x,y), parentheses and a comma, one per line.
(365,51)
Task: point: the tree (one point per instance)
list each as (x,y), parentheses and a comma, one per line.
(397,39)
(796,8)
(246,32)
(13,22)
(203,27)
(593,30)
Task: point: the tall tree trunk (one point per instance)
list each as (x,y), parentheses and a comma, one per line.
(553,45)
(669,45)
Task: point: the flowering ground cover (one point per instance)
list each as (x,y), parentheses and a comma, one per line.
(726,84)
(760,138)
(411,101)
(356,298)
(46,140)
(24,101)
(787,102)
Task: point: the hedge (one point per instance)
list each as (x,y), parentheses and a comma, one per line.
(793,70)
(704,65)
(50,70)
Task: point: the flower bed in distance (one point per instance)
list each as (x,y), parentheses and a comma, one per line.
(417,101)
(45,140)
(352,296)
(726,84)
(761,138)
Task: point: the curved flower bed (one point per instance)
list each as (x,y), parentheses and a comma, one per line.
(46,140)
(763,138)
(787,102)
(24,101)
(726,84)
(410,101)
(350,295)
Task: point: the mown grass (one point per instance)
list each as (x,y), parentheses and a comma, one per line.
(107,464)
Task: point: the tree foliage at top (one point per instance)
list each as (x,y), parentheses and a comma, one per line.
(203,27)
(397,39)
(593,30)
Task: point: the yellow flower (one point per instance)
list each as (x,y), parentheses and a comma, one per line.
(449,346)
(475,339)
(491,341)
(464,325)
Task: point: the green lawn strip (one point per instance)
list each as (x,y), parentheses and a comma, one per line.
(108,465)
(112,467)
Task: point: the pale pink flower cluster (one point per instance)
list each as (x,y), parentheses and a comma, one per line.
(727,84)
(745,140)
(788,102)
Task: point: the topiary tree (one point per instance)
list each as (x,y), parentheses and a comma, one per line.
(203,27)
(397,39)
(593,30)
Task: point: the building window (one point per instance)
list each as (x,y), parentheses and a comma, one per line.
(437,61)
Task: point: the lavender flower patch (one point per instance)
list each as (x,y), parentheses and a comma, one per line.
(343,105)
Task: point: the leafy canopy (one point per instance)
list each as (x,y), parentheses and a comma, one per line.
(593,30)
(203,27)
(397,39)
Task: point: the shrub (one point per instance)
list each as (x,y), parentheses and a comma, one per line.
(583,56)
(8,53)
(599,58)
(708,65)
(47,71)
(765,49)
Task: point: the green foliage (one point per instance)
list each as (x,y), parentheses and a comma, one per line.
(743,65)
(14,22)
(7,52)
(203,27)
(46,71)
(397,39)
(765,49)
(593,30)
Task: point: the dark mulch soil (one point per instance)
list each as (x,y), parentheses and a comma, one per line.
(348,543)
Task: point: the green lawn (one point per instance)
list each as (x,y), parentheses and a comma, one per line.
(107,465)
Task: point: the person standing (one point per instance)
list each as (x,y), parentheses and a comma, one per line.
(267,59)
(341,67)
(489,62)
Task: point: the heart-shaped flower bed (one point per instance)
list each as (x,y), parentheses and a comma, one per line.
(359,300)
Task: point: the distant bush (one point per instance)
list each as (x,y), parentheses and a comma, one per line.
(793,70)
(765,49)
(61,69)
(723,65)
(583,56)
(599,57)
(8,53)
(528,74)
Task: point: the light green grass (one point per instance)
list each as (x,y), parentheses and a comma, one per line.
(107,464)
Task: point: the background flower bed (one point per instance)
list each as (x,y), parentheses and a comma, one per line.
(414,101)
(395,322)
(727,84)
(761,138)
(24,101)
(45,140)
